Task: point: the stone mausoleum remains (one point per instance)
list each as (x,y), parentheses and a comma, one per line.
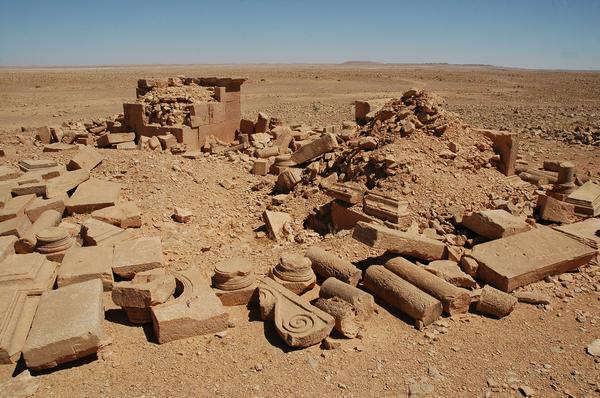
(191,109)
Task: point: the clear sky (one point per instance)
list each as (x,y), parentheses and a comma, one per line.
(556,34)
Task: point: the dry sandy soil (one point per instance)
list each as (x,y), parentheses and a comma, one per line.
(542,348)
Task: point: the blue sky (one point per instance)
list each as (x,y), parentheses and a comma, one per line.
(555,34)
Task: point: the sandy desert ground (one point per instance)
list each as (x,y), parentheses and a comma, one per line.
(539,349)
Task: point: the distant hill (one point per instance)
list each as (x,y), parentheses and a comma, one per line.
(362,63)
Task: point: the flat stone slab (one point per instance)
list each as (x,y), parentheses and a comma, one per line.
(196,311)
(137,255)
(528,257)
(16,314)
(60,147)
(67,325)
(85,159)
(586,199)
(66,182)
(394,241)
(123,215)
(9,173)
(81,264)
(39,205)
(16,207)
(494,224)
(587,231)
(32,273)
(98,233)
(36,164)
(7,246)
(15,226)
(93,194)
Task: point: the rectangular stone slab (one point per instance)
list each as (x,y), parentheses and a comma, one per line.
(394,241)
(8,173)
(67,325)
(528,257)
(32,273)
(92,195)
(85,159)
(16,314)
(15,226)
(587,231)
(7,246)
(40,205)
(137,255)
(81,264)
(65,182)
(98,233)
(16,207)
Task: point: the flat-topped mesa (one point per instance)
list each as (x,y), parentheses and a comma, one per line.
(295,273)
(234,281)
(197,108)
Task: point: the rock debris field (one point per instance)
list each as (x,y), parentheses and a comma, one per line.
(218,236)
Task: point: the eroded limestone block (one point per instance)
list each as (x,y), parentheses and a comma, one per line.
(494,224)
(98,233)
(297,322)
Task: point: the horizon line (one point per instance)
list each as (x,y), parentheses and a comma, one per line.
(345,63)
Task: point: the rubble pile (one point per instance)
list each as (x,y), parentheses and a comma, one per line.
(579,135)
(168,102)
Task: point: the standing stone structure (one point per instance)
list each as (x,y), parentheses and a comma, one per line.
(219,118)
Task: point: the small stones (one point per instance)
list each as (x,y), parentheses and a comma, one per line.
(182,215)
(594,348)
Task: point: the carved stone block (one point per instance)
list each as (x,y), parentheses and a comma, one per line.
(299,323)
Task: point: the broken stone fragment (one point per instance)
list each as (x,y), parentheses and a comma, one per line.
(297,322)
(394,241)
(262,123)
(450,272)
(124,215)
(7,246)
(276,223)
(346,321)
(182,215)
(494,224)
(495,302)
(362,301)
(146,289)
(137,255)
(15,207)
(310,151)
(535,298)
(288,179)
(67,326)
(195,311)
(99,233)
(39,205)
